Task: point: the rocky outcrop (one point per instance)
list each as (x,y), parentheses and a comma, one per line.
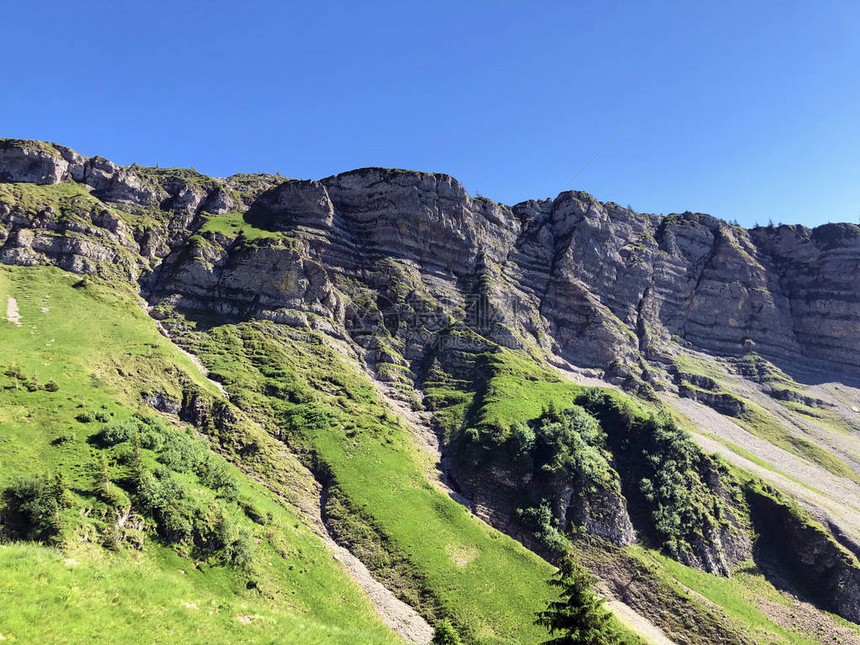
(723,402)
(586,281)
(818,271)
(421,279)
(495,489)
(821,568)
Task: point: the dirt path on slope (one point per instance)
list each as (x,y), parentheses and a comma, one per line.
(836,498)
(638,623)
(395,613)
(13,315)
(191,357)
(421,427)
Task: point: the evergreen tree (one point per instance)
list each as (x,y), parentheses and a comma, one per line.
(578,617)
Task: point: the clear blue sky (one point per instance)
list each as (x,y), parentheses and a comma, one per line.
(747,110)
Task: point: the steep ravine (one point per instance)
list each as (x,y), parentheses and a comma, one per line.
(395,613)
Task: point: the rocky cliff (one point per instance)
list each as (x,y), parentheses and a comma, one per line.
(421,281)
(581,280)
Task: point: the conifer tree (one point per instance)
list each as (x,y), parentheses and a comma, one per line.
(578,617)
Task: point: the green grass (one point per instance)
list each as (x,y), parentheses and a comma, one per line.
(102,350)
(158,598)
(31,196)
(737,596)
(515,388)
(519,390)
(234,224)
(763,425)
(328,409)
(91,335)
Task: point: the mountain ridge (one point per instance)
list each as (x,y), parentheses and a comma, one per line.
(476,316)
(682,274)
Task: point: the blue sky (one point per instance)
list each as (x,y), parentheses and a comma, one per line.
(746,110)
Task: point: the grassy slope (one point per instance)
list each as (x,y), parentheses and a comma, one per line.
(739,596)
(495,593)
(766,426)
(79,342)
(518,391)
(515,389)
(234,224)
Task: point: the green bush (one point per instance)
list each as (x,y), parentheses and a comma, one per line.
(445,634)
(114,496)
(521,440)
(112,537)
(666,472)
(66,437)
(15,371)
(51,386)
(32,508)
(254,513)
(239,550)
(151,439)
(119,432)
(216,474)
(182,453)
(540,521)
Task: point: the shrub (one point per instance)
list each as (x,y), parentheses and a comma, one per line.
(15,371)
(445,634)
(64,438)
(119,432)
(667,470)
(539,520)
(115,497)
(85,416)
(216,474)
(174,525)
(112,537)
(151,439)
(254,513)
(161,496)
(156,491)
(182,453)
(51,386)
(235,545)
(522,439)
(32,508)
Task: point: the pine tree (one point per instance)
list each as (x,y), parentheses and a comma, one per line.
(578,617)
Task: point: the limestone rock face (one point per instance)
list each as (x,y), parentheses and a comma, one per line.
(420,280)
(31,162)
(573,278)
(819,272)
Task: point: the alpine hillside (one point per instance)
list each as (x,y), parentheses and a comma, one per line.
(258,409)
